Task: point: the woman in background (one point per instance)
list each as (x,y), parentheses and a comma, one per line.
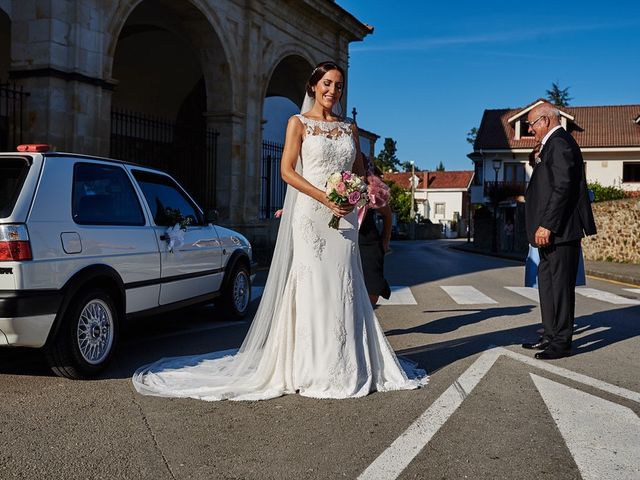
(372,243)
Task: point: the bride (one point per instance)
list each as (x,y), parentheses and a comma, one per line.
(315,332)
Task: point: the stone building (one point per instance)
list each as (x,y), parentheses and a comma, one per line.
(178,84)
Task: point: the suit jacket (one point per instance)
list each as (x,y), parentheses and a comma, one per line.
(557,197)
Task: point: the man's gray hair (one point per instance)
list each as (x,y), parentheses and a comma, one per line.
(548,110)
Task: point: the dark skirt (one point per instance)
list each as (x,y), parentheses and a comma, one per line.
(372,256)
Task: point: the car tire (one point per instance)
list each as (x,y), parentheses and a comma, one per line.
(236,294)
(85,342)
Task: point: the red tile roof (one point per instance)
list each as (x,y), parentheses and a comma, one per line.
(602,126)
(454,179)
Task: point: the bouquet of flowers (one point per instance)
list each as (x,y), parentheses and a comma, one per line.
(346,188)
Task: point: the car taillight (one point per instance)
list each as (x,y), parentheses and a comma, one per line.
(14,243)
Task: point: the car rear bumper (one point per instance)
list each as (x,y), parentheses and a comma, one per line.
(26,331)
(26,316)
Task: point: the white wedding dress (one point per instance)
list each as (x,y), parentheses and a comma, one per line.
(322,338)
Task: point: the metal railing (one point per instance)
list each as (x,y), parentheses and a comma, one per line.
(188,153)
(12,108)
(273,188)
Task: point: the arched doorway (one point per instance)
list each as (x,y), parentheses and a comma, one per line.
(166,53)
(283,98)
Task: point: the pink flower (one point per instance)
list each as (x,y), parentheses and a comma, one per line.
(354,197)
(346,176)
(341,188)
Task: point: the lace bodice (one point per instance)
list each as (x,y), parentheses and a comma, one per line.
(327,147)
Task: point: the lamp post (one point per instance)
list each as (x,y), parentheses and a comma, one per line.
(497,164)
(412,212)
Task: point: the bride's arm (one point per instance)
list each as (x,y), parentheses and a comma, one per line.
(290,154)
(358,164)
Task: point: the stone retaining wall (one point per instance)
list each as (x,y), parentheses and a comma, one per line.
(618,238)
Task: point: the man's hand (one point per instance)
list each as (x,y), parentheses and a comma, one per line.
(543,237)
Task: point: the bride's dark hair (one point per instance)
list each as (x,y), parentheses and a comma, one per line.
(319,72)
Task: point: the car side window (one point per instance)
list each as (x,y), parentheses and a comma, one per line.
(103,195)
(166,199)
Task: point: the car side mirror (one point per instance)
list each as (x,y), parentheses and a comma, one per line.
(212,216)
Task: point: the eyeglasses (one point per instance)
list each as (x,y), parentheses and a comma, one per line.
(531,124)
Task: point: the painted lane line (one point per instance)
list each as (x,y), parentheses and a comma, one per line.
(404,449)
(390,463)
(603,437)
(606,296)
(400,295)
(467,295)
(571,375)
(528,292)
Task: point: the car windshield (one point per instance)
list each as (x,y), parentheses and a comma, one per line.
(13,171)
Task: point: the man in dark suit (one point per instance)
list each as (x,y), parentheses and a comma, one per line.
(558,214)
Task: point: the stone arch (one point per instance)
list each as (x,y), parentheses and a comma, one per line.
(169,61)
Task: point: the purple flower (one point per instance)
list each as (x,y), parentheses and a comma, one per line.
(354,197)
(346,176)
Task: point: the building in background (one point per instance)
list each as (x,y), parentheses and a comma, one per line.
(179,85)
(441,197)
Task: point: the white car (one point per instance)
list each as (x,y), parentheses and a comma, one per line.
(88,242)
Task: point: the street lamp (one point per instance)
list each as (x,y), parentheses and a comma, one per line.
(497,164)
(412,212)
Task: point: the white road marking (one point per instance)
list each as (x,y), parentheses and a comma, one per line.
(400,295)
(467,295)
(528,292)
(606,296)
(402,451)
(632,290)
(391,462)
(603,437)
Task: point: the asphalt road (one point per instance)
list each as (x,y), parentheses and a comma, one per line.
(489,411)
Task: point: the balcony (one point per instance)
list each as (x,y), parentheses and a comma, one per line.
(498,191)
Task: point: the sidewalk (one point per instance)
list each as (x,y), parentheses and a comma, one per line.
(619,272)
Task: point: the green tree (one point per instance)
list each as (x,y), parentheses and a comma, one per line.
(472,135)
(406,166)
(440,167)
(400,202)
(558,96)
(386,159)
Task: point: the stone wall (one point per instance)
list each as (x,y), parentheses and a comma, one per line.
(618,238)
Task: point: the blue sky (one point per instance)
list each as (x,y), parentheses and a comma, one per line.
(430,69)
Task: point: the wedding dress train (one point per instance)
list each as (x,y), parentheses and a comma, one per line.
(316,332)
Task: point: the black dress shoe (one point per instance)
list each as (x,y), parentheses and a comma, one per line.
(539,345)
(550,354)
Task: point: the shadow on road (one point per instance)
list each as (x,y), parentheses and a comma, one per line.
(595,331)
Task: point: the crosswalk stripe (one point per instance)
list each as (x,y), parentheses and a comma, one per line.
(467,295)
(400,295)
(632,290)
(528,292)
(606,296)
(602,436)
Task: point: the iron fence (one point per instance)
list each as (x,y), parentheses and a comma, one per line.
(273,188)
(12,106)
(188,153)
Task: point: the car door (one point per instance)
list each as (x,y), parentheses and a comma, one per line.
(191,266)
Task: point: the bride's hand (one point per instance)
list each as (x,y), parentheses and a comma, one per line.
(338,210)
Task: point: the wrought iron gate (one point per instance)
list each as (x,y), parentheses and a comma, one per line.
(273,188)
(189,153)
(12,106)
